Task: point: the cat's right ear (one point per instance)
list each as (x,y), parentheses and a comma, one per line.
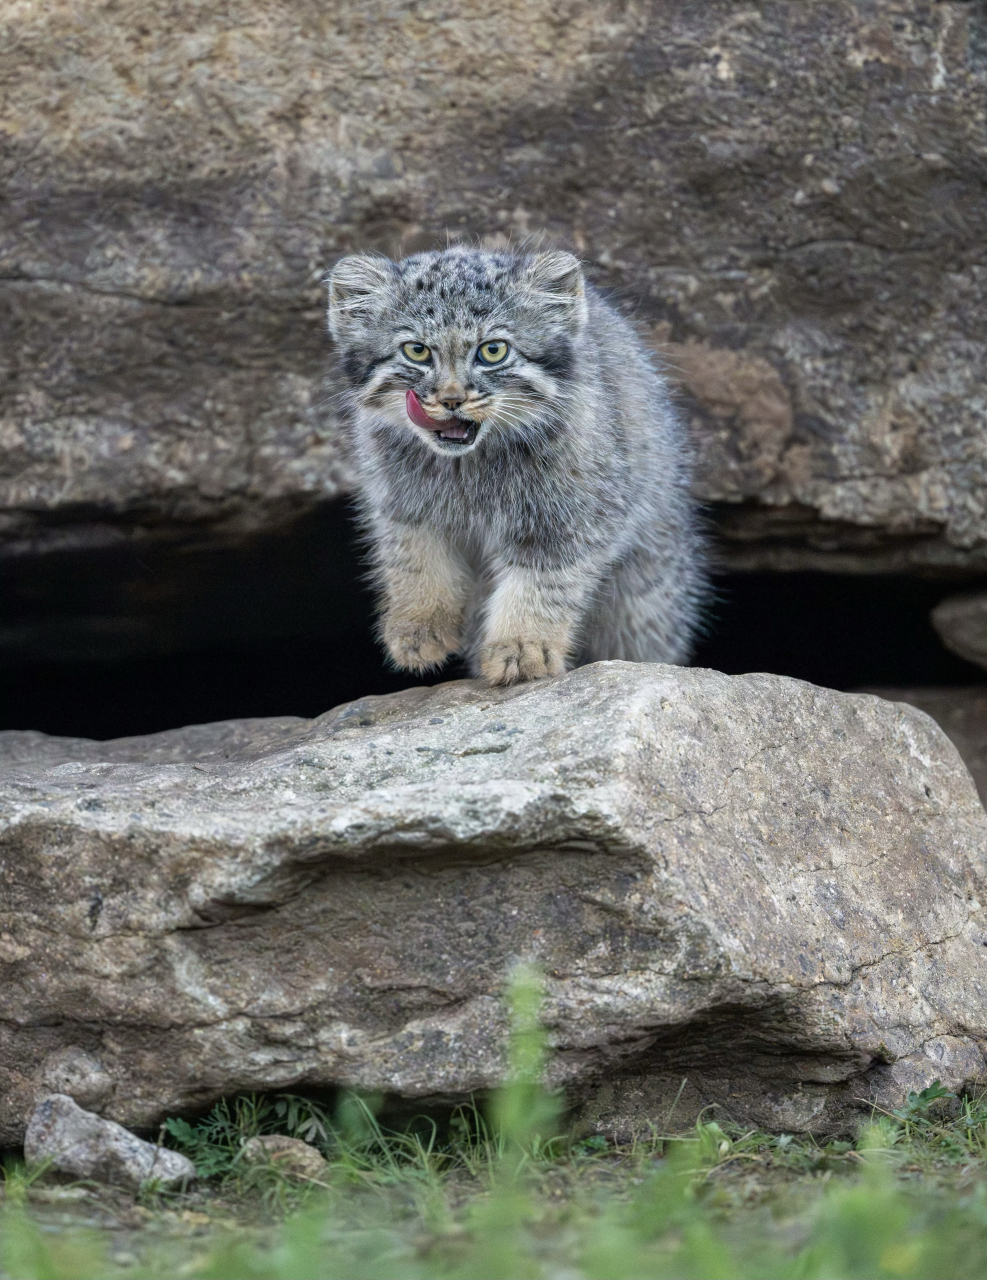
(358,286)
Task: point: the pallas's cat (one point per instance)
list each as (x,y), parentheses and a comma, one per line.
(521,472)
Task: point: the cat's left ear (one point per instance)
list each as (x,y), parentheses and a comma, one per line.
(556,278)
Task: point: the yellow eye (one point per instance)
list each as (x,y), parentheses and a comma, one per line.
(493,352)
(417,351)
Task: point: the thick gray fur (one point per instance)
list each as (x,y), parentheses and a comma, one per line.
(562,529)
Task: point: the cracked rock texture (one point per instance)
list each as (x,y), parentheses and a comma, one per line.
(787,196)
(770,890)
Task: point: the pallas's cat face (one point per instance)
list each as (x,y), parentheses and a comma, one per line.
(459,346)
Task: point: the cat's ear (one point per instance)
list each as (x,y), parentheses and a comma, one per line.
(359,286)
(556,279)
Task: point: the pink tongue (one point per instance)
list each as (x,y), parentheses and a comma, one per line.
(451,428)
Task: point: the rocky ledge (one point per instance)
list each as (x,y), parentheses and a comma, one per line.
(765,889)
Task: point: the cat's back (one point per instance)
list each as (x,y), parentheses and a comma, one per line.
(639,410)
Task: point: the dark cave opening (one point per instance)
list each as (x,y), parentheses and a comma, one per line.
(129,640)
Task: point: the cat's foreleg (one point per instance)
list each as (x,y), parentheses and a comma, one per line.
(531,620)
(425,589)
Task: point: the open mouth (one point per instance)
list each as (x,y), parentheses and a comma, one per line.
(457,433)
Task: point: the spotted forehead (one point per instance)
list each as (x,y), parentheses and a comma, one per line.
(469,268)
(455,286)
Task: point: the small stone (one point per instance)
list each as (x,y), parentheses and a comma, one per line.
(961,622)
(85,1145)
(290,1156)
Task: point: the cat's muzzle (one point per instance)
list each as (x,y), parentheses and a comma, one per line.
(454,433)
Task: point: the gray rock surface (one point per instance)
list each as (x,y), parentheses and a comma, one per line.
(962,716)
(771,890)
(84,1145)
(961,622)
(788,195)
(78,1074)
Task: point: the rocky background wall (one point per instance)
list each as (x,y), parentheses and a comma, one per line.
(787,197)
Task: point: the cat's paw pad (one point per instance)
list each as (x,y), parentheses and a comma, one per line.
(513,661)
(419,646)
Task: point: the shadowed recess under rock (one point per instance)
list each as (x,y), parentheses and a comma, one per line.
(135,638)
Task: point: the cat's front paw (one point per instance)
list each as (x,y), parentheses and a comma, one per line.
(516,660)
(420,646)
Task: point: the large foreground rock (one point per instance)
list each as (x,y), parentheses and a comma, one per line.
(788,196)
(764,888)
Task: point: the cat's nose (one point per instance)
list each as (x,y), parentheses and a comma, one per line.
(451,397)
